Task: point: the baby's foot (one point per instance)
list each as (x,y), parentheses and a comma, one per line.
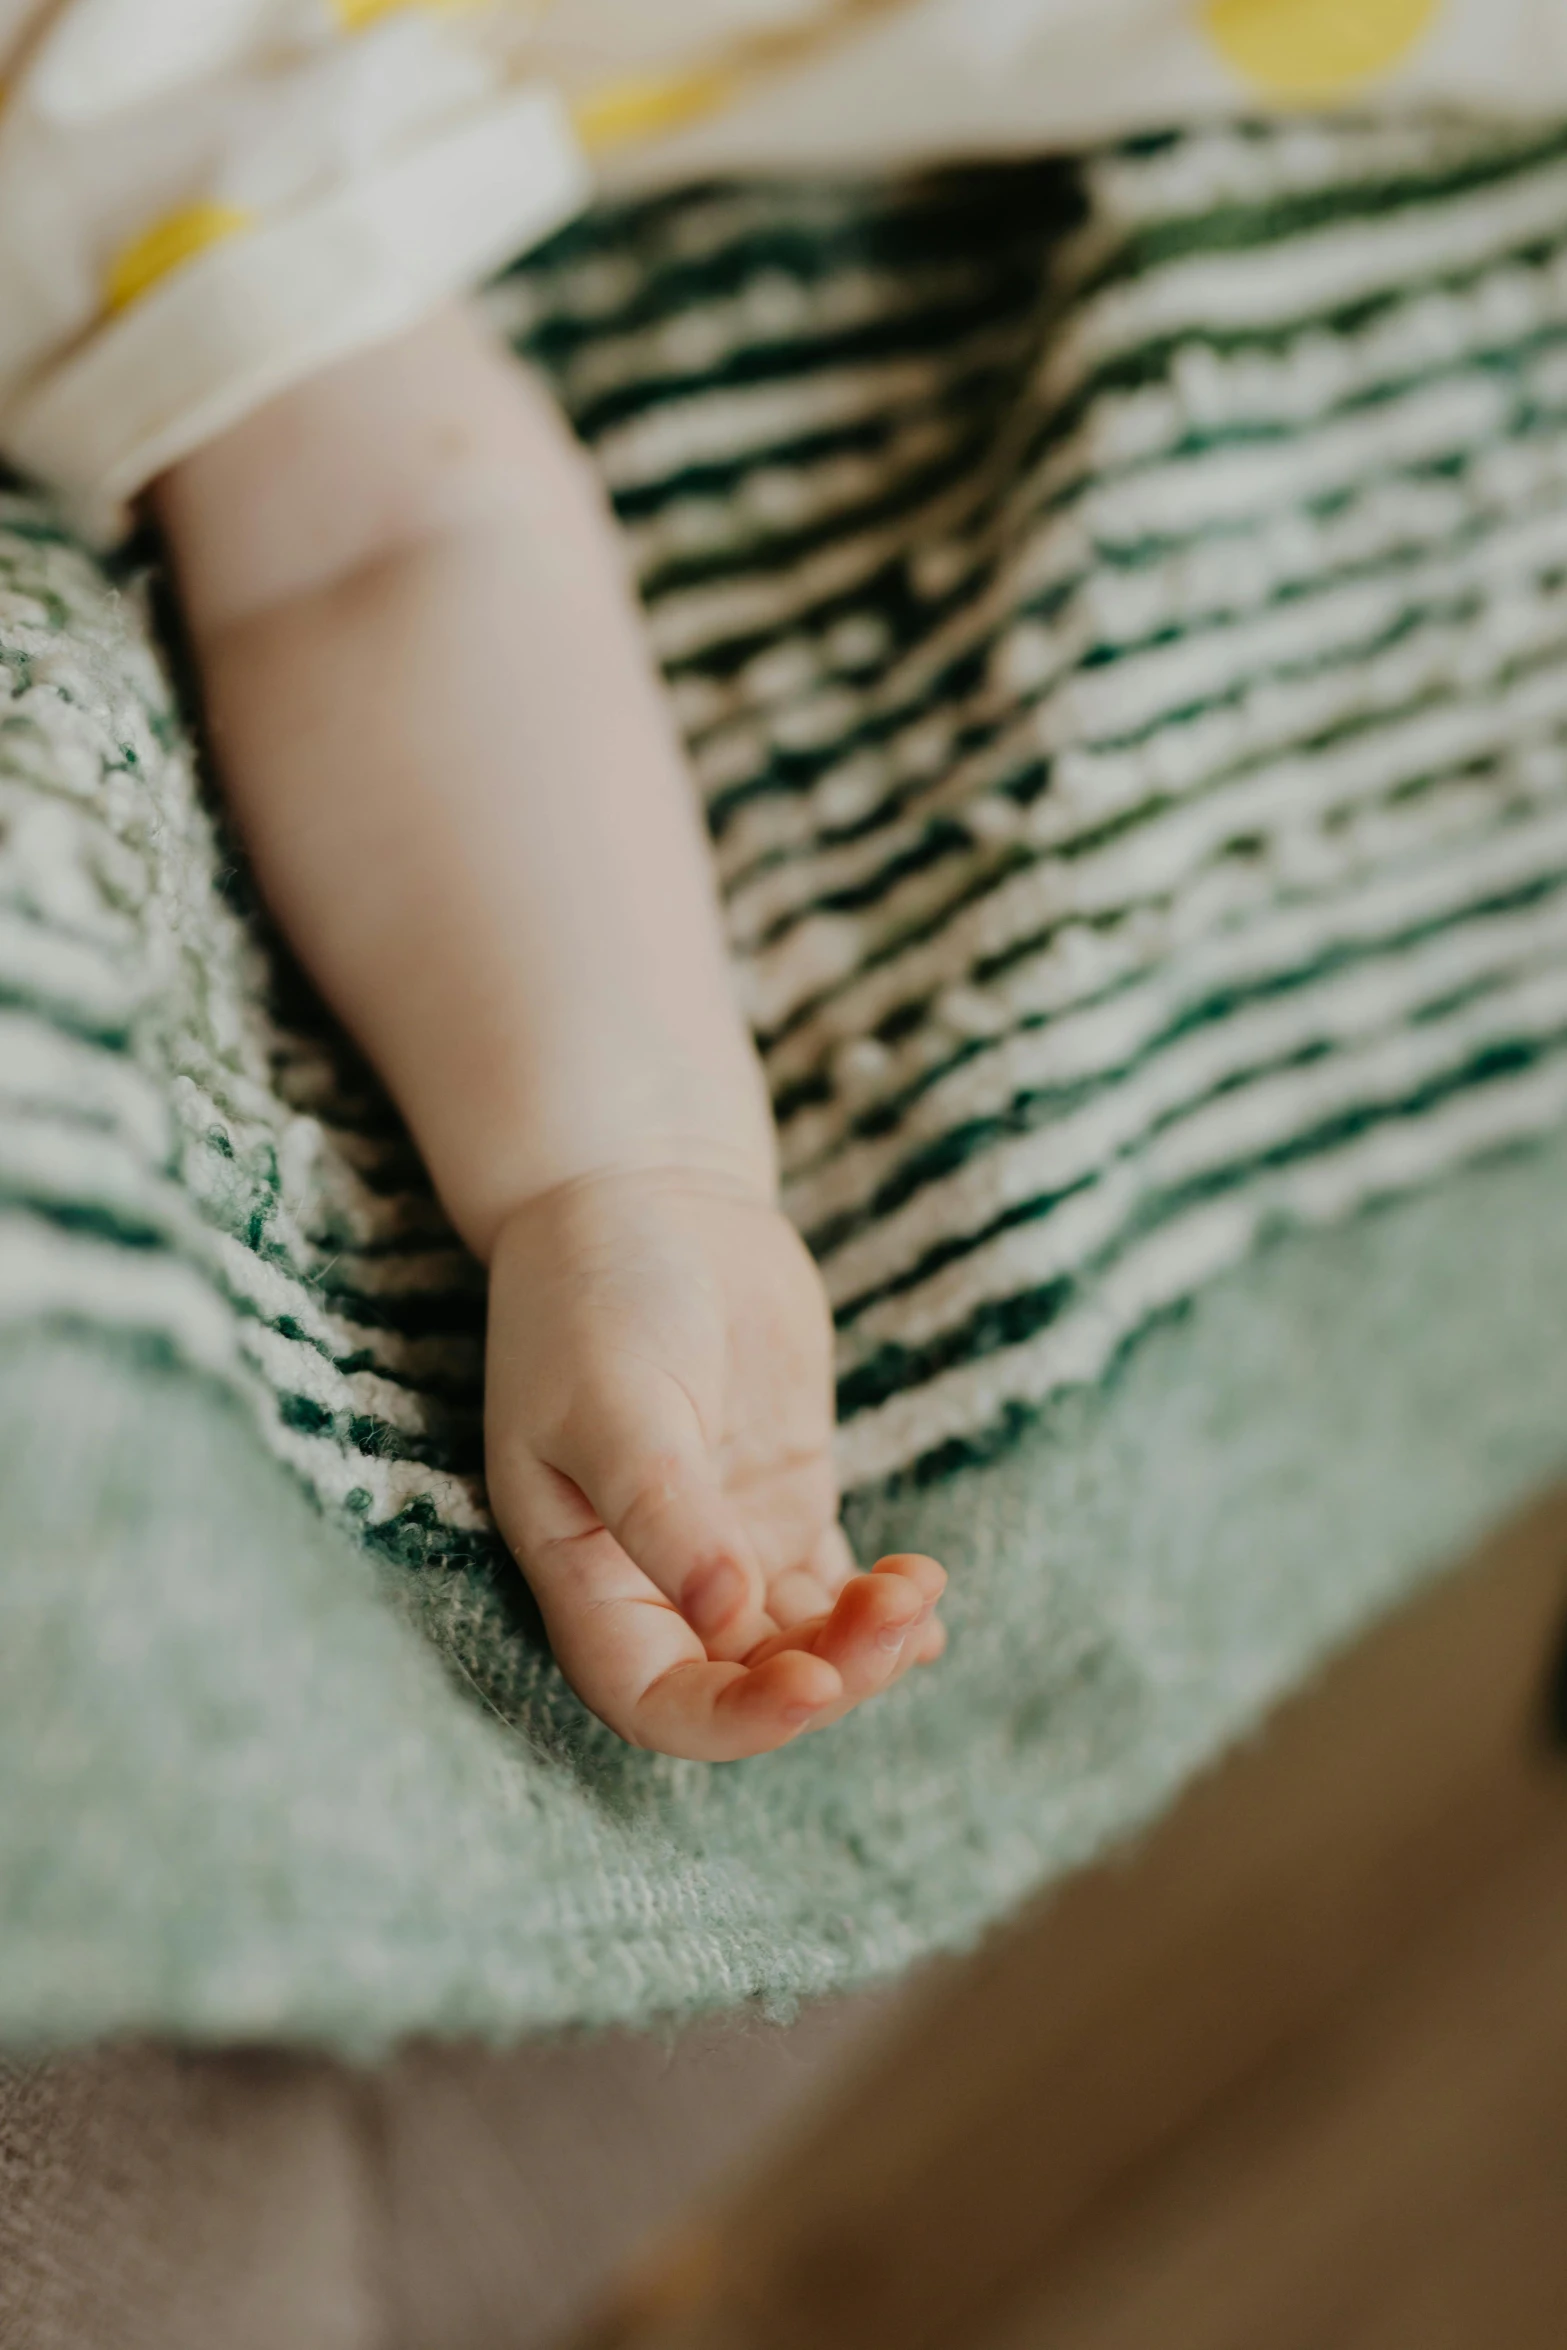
(659,1441)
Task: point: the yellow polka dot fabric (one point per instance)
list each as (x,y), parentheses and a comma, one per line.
(1317,49)
(644,108)
(356,16)
(175,239)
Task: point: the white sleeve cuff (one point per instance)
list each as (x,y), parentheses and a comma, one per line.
(265,310)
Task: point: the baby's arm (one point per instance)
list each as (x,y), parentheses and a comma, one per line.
(453,767)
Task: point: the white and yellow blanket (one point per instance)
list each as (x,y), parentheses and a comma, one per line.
(202,201)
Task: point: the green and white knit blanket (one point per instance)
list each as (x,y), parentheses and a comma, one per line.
(1118,612)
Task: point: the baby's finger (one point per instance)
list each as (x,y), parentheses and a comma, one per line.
(879,1627)
(874,1631)
(723,1712)
(632,1657)
(802,1592)
(637,1454)
(928,1575)
(929,1640)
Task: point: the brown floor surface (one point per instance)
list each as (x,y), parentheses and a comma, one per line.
(153,2199)
(1293,2072)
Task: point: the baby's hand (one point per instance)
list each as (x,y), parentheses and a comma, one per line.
(659,1439)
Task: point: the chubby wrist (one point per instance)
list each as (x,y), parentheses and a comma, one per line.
(687,1168)
(720,1138)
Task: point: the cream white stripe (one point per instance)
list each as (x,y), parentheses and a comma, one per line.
(1204,492)
(1312,629)
(1286,1106)
(847,1180)
(43,1070)
(803,495)
(1173,1106)
(1256,288)
(1210,168)
(1444,677)
(391,1485)
(1387,521)
(1151,861)
(1172,1264)
(688,623)
(1427,330)
(691,622)
(277,1293)
(346,1212)
(732,422)
(1288,389)
(1198,582)
(771,308)
(435,1272)
(1447,853)
(118,1173)
(291,1368)
(1025,1257)
(1271,1111)
(83,981)
(92,1171)
(89,1168)
(49,1275)
(596,286)
(1054,555)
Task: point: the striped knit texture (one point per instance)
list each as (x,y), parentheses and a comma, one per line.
(1118,614)
(1114,609)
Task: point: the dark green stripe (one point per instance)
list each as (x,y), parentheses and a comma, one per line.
(894,1370)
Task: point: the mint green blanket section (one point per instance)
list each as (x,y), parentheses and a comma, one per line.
(1118,614)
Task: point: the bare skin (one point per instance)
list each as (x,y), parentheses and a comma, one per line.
(441,736)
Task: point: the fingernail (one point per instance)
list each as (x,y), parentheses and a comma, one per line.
(711,1596)
(892,1636)
(798,1715)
